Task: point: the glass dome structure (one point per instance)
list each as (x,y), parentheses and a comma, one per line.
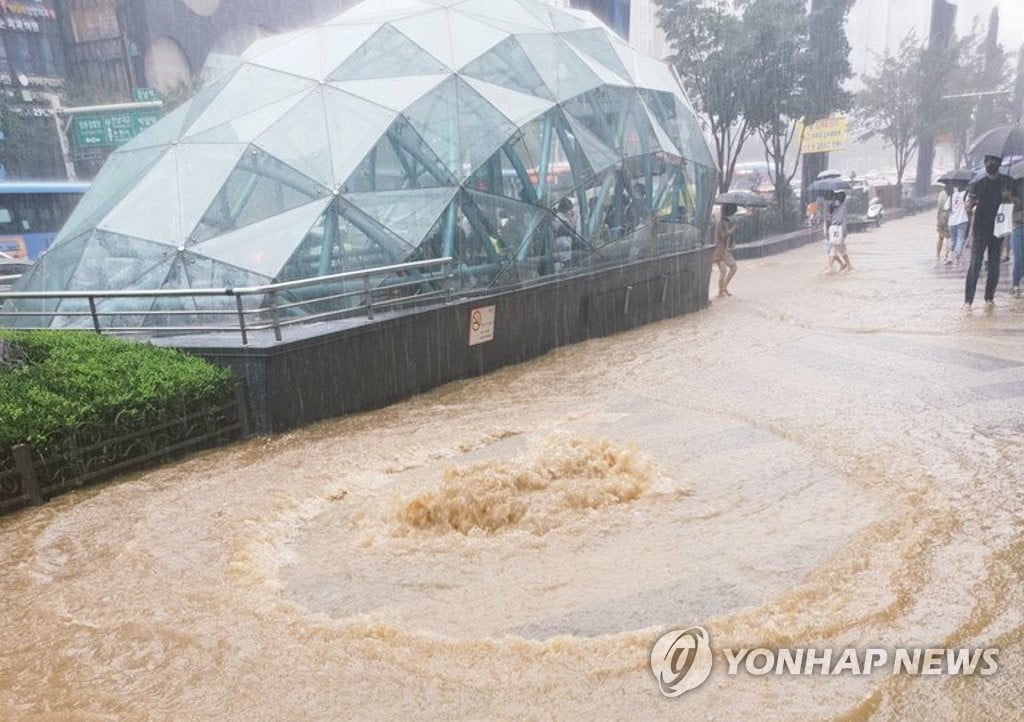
(521,140)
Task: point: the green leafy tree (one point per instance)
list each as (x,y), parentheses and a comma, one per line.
(828,55)
(890,104)
(776,32)
(712,58)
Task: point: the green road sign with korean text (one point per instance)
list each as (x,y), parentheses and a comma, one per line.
(142,95)
(109,130)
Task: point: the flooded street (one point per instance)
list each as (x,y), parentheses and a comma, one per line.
(819,461)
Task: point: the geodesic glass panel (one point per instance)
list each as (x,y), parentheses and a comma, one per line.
(118,175)
(397,131)
(461,127)
(596,43)
(561,69)
(507,65)
(407,214)
(260,186)
(263,247)
(387,54)
(400,160)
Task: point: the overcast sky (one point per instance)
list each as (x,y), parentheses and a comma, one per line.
(877,25)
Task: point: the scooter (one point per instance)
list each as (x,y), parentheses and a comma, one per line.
(875,211)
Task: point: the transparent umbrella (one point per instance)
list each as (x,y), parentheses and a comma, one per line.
(1000,142)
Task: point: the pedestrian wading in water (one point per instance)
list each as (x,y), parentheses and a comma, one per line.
(835,233)
(725,229)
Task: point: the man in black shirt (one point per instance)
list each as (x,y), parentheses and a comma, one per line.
(984,199)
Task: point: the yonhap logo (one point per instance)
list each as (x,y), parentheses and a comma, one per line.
(681,660)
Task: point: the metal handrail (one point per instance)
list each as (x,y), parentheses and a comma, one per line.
(365,290)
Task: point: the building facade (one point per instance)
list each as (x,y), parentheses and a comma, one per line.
(32,71)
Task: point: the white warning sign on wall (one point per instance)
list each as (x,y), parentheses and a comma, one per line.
(481,325)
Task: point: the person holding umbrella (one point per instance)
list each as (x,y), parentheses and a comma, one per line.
(984,197)
(725,229)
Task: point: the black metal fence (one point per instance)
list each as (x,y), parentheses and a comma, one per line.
(86,454)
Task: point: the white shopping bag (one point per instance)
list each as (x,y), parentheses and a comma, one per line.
(835,234)
(1004,221)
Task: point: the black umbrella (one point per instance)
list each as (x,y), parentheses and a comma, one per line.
(742,198)
(829,185)
(1000,142)
(961,175)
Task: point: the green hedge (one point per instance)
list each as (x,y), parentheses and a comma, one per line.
(62,379)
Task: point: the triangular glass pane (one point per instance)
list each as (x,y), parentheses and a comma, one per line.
(597,153)
(562,70)
(660,136)
(246,128)
(259,187)
(343,239)
(54,270)
(508,66)
(517,107)
(462,127)
(265,246)
(202,172)
(265,45)
(300,139)
(471,38)
(599,69)
(394,93)
(431,32)
(503,223)
(408,214)
(387,54)
(637,138)
(318,53)
(497,176)
(694,145)
(596,43)
(654,74)
(250,88)
(297,55)
(400,160)
(166,131)
(353,125)
(505,13)
(150,209)
(207,273)
(121,171)
(117,262)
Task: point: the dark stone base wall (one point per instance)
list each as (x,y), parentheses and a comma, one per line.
(373,365)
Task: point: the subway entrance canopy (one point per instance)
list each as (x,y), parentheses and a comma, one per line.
(402,130)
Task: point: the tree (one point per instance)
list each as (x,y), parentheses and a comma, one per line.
(29,147)
(968,72)
(776,98)
(829,58)
(890,104)
(712,59)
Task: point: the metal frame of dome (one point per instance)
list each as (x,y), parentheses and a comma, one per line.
(401,130)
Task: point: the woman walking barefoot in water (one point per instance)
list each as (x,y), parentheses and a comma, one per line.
(723,258)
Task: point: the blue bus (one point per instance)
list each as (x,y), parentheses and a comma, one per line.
(32,213)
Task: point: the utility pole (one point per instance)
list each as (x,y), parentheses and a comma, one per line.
(942,27)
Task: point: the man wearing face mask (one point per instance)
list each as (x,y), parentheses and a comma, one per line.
(984,199)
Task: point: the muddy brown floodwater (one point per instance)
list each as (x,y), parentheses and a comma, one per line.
(818,461)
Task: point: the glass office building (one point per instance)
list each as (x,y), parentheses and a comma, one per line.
(523,141)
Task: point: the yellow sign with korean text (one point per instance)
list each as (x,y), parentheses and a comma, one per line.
(824,136)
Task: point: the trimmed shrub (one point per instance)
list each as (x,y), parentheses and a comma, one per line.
(58,380)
